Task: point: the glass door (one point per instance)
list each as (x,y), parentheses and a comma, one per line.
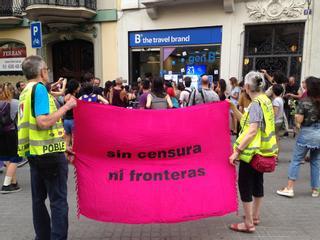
(144,61)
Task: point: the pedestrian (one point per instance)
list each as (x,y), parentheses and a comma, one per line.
(118,94)
(158,98)
(234,97)
(41,139)
(107,89)
(221,89)
(256,137)
(244,101)
(90,96)
(88,77)
(278,108)
(180,87)
(19,86)
(73,88)
(9,138)
(145,92)
(171,91)
(96,86)
(185,94)
(277,78)
(291,88)
(203,95)
(302,93)
(308,121)
(58,90)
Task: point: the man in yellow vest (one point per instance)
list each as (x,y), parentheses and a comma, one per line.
(41,140)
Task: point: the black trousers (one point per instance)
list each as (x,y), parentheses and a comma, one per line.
(49,175)
(250,182)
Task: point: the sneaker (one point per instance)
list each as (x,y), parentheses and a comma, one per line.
(22,163)
(315,193)
(13,188)
(15,185)
(286,192)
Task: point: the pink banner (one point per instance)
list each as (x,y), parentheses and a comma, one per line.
(153,166)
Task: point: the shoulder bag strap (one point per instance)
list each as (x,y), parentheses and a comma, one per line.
(202,95)
(33,93)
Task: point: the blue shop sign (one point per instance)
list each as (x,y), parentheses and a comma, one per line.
(188,36)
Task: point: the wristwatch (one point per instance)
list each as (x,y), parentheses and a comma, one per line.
(238,150)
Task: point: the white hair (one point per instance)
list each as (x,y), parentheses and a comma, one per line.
(255,80)
(32,65)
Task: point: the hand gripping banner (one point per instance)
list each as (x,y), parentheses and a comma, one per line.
(153,166)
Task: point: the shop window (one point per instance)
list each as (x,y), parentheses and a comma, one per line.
(12,55)
(274,48)
(192,61)
(176,53)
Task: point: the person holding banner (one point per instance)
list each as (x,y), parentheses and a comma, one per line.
(257,136)
(41,140)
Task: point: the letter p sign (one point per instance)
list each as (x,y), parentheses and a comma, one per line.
(36,35)
(35,30)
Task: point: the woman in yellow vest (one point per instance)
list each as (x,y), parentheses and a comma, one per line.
(257,136)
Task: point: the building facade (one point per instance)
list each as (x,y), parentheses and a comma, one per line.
(224,38)
(79,36)
(130,38)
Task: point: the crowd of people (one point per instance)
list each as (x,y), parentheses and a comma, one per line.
(262,109)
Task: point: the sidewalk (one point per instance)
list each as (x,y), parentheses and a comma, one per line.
(282,218)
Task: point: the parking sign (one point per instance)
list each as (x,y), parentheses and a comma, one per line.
(36,35)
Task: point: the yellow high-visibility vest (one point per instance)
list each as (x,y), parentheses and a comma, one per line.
(31,139)
(264,143)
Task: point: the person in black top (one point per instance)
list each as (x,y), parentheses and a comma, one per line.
(291,88)
(73,88)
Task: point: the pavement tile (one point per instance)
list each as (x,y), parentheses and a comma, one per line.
(281,219)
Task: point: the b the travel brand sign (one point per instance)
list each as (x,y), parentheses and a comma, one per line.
(188,36)
(11,59)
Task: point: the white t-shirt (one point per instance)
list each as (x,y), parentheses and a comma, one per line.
(278,102)
(236,90)
(184,97)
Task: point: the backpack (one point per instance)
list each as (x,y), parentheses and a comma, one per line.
(194,97)
(6,123)
(175,102)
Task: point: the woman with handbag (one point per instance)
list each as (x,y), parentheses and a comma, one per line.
(255,145)
(308,121)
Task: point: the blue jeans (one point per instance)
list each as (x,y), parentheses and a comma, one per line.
(68,125)
(49,175)
(298,155)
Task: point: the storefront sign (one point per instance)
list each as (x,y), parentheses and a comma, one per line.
(142,173)
(11,59)
(188,36)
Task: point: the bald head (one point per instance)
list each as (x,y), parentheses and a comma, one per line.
(205,80)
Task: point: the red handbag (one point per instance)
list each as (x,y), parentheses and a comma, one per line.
(263,164)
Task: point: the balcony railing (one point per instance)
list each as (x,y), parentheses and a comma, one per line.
(60,11)
(9,8)
(90,4)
